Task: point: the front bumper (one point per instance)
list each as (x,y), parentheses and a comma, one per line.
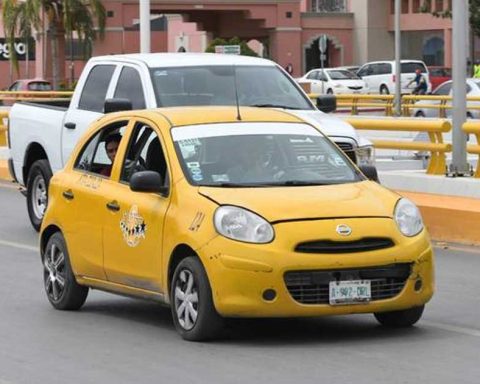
(240,273)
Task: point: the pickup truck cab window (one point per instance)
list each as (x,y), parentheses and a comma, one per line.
(129,86)
(96,87)
(95,156)
(260,86)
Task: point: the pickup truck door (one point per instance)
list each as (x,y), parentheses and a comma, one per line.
(87,106)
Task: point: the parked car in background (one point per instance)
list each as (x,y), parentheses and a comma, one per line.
(333,81)
(380,75)
(351,68)
(445,89)
(31,85)
(439,75)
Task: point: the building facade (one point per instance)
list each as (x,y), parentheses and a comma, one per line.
(287,31)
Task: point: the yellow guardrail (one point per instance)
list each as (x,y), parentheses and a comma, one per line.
(34,95)
(434,128)
(355,101)
(3,128)
(471,127)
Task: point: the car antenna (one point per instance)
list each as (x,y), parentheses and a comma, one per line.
(239,118)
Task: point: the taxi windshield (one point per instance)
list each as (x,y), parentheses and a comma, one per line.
(259,155)
(256,85)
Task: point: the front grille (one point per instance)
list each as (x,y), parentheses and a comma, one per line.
(312,287)
(348,149)
(329,246)
(355,87)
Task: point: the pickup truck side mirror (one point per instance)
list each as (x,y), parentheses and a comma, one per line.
(147,181)
(327,103)
(370,172)
(117,105)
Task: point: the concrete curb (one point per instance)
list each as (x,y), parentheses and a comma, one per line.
(4,173)
(450,219)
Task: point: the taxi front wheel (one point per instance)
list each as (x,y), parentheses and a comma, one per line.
(61,288)
(193,311)
(400,319)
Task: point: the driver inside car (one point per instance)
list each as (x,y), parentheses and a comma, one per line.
(111,147)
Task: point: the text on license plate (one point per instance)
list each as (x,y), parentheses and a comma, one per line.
(349,292)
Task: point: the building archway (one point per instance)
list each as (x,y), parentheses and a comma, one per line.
(433,51)
(311,53)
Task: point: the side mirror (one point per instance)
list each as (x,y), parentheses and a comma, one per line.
(370,172)
(327,103)
(117,105)
(147,181)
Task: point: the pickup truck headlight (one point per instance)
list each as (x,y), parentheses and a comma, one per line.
(408,218)
(240,224)
(365,155)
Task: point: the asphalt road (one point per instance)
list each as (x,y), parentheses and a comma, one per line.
(118,340)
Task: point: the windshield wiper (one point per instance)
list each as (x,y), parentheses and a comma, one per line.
(274,106)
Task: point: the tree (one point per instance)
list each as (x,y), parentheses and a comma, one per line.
(244,48)
(63,17)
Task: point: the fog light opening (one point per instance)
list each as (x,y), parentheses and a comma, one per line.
(269,295)
(418,285)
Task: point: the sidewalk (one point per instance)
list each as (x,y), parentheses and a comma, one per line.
(450,206)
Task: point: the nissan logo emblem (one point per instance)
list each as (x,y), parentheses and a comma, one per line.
(344,230)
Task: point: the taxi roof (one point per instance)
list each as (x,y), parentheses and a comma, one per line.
(184,116)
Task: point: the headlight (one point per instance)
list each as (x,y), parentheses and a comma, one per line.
(239,224)
(408,218)
(365,155)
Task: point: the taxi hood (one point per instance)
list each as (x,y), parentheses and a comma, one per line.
(361,199)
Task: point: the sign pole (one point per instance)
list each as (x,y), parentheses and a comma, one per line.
(144,26)
(398,72)
(322,46)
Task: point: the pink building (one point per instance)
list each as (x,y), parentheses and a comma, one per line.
(287,31)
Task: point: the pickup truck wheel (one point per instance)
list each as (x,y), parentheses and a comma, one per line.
(37,191)
(400,319)
(61,288)
(193,311)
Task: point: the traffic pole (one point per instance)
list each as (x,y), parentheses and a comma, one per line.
(459,165)
(144,26)
(398,72)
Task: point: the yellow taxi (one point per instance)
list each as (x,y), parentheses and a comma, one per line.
(223,213)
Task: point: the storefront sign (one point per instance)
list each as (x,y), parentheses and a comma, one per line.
(20,49)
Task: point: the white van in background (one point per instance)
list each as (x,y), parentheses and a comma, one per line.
(380,75)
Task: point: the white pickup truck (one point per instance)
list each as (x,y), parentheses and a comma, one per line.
(42,136)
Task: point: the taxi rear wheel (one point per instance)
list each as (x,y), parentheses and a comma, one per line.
(193,311)
(61,288)
(400,319)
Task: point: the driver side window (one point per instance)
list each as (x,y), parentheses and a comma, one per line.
(145,153)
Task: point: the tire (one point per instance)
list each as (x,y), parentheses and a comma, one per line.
(200,321)
(420,114)
(400,319)
(384,90)
(57,268)
(37,191)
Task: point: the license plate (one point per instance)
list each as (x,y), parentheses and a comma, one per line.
(349,292)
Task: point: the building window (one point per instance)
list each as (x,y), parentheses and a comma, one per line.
(427,6)
(416,6)
(404,6)
(438,5)
(329,6)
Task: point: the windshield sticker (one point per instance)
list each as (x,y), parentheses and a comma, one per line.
(220,178)
(133,227)
(195,170)
(161,72)
(90,181)
(336,160)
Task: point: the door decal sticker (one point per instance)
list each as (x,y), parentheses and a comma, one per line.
(133,227)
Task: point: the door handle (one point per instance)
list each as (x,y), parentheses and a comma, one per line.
(113,206)
(68,194)
(70,125)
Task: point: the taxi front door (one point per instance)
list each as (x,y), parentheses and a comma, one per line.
(133,225)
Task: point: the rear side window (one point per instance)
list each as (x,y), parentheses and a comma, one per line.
(384,69)
(443,90)
(129,87)
(39,86)
(96,87)
(412,67)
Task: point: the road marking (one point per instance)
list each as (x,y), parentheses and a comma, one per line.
(452,328)
(466,248)
(18,245)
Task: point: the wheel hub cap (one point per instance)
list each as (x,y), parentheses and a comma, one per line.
(54,272)
(186,299)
